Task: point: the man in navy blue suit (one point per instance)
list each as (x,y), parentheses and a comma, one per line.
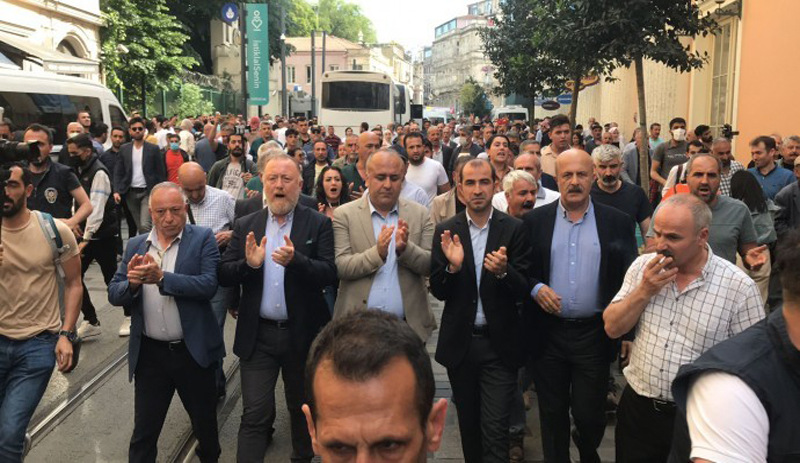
(167,278)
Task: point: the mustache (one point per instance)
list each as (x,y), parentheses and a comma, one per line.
(575,189)
(527,205)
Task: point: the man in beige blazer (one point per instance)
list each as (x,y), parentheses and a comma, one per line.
(383,248)
(447,204)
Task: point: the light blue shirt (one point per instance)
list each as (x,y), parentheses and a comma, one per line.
(575,264)
(385,294)
(478,237)
(273,298)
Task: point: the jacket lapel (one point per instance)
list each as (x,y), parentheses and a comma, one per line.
(550,224)
(183,247)
(462,230)
(365,219)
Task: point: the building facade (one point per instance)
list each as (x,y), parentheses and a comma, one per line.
(60,36)
(746,82)
(457,55)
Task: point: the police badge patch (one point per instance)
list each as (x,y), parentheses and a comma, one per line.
(51,195)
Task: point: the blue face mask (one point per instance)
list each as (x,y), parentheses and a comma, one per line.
(174,146)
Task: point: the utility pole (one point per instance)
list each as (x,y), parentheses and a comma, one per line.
(313,74)
(324,36)
(243,52)
(284,92)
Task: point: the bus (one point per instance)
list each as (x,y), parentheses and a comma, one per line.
(352,97)
(436,114)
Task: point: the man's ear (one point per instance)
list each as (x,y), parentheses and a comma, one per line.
(435,425)
(312,430)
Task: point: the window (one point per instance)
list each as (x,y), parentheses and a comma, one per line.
(308,74)
(334,67)
(361,96)
(290,74)
(722,76)
(54,111)
(117,117)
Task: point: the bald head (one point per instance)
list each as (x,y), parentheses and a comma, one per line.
(573,156)
(74,128)
(368,143)
(192,179)
(208,129)
(530,163)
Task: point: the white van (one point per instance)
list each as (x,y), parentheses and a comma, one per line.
(437,114)
(512,113)
(54,100)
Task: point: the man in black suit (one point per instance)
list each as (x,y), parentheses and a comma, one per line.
(312,170)
(139,168)
(580,251)
(283,258)
(465,146)
(479,268)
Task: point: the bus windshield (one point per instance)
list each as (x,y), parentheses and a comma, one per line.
(354,95)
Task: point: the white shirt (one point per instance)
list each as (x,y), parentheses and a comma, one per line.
(161,137)
(438,156)
(544,196)
(137,176)
(677,327)
(727,422)
(428,176)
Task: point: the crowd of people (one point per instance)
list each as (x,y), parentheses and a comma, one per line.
(552,261)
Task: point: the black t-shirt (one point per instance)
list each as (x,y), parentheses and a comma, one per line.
(629,199)
(51,191)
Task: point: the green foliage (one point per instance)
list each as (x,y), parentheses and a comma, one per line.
(154,41)
(474,100)
(192,102)
(345,20)
(538,45)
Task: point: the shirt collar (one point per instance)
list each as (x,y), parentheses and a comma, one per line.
(271,217)
(540,193)
(152,239)
(563,212)
(472,223)
(372,209)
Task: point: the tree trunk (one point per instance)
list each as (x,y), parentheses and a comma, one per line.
(644,149)
(573,110)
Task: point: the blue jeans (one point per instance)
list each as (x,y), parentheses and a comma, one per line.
(25,369)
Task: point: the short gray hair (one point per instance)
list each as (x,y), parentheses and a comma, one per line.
(606,153)
(719,140)
(264,152)
(701,213)
(794,138)
(166,186)
(512,177)
(278,156)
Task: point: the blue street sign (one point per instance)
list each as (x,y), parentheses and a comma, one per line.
(565,98)
(229,13)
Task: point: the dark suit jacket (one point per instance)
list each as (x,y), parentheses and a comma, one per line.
(193,284)
(618,250)
(152,167)
(474,151)
(447,154)
(309,172)
(309,272)
(549,182)
(788,217)
(247,206)
(502,299)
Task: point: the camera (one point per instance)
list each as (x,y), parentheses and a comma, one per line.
(728,132)
(16,151)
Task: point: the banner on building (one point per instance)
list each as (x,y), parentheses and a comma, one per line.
(257,25)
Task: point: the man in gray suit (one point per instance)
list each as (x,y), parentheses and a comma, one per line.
(383,248)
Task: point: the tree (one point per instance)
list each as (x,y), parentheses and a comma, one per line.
(191,101)
(195,18)
(142,45)
(474,100)
(659,30)
(345,20)
(568,39)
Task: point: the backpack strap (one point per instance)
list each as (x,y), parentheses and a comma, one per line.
(48,226)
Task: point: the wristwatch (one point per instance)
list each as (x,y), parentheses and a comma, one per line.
(71,336)
(501,275)
(160,283)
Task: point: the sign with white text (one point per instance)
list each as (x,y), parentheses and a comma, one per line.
(257,25)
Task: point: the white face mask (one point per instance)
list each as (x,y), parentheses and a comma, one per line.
(679,134)
(462,141)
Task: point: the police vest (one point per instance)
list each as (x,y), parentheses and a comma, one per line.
(764,358)
(51,191)
(109,227)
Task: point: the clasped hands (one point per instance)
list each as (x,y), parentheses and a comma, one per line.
(385,238)
(495,262)
(256,253)
(143,270)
